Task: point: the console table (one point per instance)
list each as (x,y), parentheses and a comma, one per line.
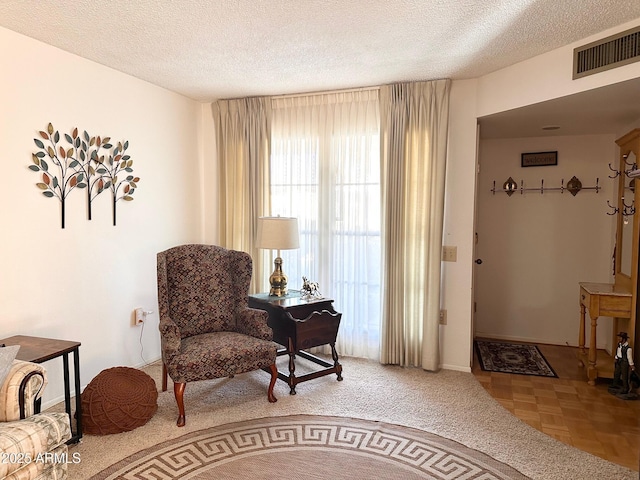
(299,324)
(601,299)
(40,350)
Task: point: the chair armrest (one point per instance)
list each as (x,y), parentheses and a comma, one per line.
(23,386)
(169,338)
(23,440)
(253,322)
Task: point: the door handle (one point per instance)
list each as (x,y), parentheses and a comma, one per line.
(479,261)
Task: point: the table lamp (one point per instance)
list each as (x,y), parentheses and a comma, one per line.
(278,233)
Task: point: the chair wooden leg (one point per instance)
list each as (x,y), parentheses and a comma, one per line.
(164,377)
(274,377)
(178,390)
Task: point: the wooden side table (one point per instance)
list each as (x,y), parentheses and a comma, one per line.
(40,350)
(300,324)
(600,299)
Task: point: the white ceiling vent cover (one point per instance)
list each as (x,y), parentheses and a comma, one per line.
(608,53)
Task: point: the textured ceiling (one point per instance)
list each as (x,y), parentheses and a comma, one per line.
(207,49)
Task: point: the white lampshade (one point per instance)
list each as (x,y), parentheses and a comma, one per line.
(278,233)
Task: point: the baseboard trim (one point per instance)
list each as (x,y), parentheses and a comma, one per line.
(456,368)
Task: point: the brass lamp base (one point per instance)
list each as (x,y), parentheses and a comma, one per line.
(278,280)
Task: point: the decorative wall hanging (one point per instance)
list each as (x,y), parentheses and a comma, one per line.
(539,159)
(509,186)
(573,186)
(87,162)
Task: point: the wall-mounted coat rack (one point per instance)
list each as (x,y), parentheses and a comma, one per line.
(631,172)
(626,208)
(573,186)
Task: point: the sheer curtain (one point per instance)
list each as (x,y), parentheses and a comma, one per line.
(242,138)
(414,120)
(325,170)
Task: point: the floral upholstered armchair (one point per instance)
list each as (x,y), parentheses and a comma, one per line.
(207,330)
(32,444)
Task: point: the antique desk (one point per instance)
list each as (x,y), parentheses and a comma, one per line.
(300,324)
(40,350)
(600,299)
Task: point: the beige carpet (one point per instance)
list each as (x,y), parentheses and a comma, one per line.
(450,404)
(318,447)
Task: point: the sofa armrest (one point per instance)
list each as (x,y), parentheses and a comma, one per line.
(22,440)
(23,386)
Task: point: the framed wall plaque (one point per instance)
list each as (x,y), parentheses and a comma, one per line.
(539,159)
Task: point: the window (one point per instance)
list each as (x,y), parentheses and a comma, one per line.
(325,170)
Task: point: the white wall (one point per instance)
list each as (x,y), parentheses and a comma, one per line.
(210,173)
(537,247)
(457,295)
(81,283)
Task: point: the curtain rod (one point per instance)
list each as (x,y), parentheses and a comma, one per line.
(325,92)
(347,90)
(294,95)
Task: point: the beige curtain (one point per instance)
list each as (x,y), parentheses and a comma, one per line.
(243,131)
(413,146)
(326,172)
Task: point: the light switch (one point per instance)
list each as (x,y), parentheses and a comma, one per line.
(449,254)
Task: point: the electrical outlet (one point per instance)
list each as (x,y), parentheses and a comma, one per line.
(140,316)
(443,317)
(449,254)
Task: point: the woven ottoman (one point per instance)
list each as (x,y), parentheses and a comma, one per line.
(117,400)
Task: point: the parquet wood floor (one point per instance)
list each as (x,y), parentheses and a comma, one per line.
(568,409)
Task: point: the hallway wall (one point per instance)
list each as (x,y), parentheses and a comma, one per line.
(537,247)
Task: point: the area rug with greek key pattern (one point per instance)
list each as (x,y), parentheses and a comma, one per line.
(506,357)
(310,447)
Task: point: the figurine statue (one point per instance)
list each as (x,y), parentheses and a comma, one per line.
(624,367)
(310,289)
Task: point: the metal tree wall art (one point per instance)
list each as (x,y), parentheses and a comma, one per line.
(60,181)
(82,164)
(121,188)
(86,151)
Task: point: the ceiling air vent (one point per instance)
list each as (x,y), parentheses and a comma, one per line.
(608,53)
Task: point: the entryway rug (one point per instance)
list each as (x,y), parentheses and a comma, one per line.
(309,447)
(506,357)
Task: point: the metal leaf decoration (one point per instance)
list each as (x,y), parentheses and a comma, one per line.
(121,189)
(81,164)
(65,178)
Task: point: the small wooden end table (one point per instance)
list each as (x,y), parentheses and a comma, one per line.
(299,324)
(40,350)
(600,299)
